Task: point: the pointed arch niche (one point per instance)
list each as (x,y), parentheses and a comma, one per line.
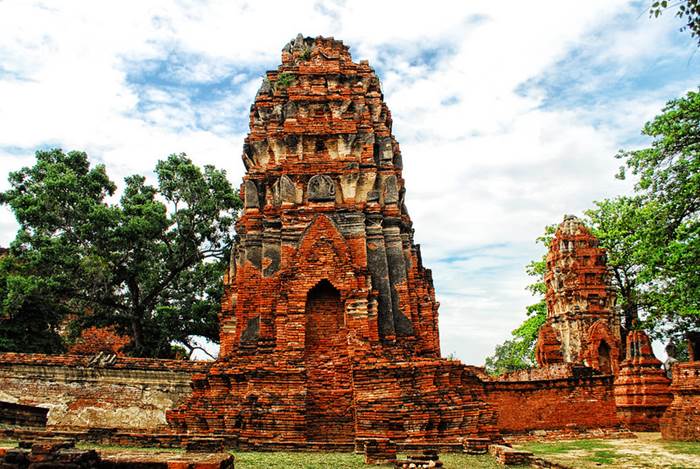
(329,399)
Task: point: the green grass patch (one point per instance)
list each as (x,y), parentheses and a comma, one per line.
(559,447)
(7,444)
(603,456)
(285,460)
(682,447)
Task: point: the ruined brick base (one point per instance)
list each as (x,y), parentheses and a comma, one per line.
(378,450)
(565,399)
(618,432)
(507,456)
(417,403)
(56,453)
(682,418)
(423,460)
(642,390)
(22,415)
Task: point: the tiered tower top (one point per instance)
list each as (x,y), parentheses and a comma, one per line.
(323,171)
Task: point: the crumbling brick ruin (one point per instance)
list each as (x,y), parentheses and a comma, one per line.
(682,418)
(329,326)
(329,336)
(581,326)
(99,392)
(642,390)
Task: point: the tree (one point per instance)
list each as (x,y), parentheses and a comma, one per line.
(519,352)
(663,239)
(687,10)
(148,265)
(620,224)
(56,202)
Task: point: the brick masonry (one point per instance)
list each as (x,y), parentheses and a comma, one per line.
(681,421)
(574,399)
(329,322)
(79,392)
(22,415)
(581,325)
(329,329)
(642,390)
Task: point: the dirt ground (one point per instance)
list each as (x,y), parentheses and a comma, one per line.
(648,450)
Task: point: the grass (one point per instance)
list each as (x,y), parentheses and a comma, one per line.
(284,81)
(604,456)
(285,460)
(560,447)
(594,451)
(647,451)
(682,447)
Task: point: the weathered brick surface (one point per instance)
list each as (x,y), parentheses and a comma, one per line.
(94,340)
(642,390)
(22,415)
(581,326)
(507,456)
(378,450)
(577,402)
(681,421)
(329,321)
(56,453)
(81,392)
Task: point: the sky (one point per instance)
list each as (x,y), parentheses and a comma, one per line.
(509,114)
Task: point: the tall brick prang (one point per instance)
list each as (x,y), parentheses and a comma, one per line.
(329,321)
(581,326)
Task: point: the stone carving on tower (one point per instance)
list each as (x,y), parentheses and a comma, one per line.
(329,320)
(582,326)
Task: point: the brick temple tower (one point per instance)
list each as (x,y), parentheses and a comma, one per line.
(581,326)
(329,321)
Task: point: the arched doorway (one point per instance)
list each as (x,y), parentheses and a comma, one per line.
(329,409)
(604,363)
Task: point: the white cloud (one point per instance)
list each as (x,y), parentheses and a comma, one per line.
(482,95)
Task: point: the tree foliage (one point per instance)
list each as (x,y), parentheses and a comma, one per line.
(149,265)
(519,352)
(686,10)
(660,231)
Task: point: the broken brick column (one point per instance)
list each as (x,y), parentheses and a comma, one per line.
(681,421)
(642,390)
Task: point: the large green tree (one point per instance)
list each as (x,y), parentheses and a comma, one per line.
(620,224)
(150,264)
(662,232)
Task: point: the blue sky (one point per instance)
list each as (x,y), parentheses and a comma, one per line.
(509,114)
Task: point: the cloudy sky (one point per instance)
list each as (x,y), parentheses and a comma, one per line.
(508,113)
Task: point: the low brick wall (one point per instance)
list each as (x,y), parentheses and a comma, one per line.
(22,415)
(681,421)
(507,456)
(79,392)
(570,399)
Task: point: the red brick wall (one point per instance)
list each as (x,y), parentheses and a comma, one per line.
(560,403)
(130,394)
(682,418)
